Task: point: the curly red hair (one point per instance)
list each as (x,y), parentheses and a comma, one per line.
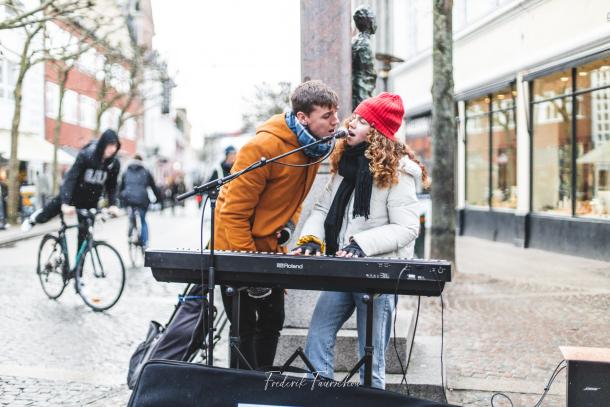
(384,156)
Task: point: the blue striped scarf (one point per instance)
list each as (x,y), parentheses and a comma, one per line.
(304,138)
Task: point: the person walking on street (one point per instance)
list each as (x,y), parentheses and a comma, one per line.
(3,197)
(43,189)
(176,189)
(222,169)
(133,193)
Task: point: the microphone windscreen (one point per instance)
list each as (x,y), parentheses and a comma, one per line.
(340,133)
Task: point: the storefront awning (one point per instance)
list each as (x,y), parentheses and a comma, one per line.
(32,148)
(598,155)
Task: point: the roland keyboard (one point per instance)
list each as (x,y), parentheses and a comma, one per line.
(245,269)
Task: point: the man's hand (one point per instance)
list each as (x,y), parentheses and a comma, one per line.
(283,235)
(114,211)
(67,209)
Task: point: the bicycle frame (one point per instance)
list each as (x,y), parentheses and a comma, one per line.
(61,234)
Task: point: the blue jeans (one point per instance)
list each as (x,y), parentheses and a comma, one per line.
(144,232)
(143,225)
(332,310)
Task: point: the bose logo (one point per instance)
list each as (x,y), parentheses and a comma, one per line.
(591,388)
(289,266)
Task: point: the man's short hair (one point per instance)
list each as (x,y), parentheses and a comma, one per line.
(313,93)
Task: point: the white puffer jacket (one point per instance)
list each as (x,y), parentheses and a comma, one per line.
(393,223)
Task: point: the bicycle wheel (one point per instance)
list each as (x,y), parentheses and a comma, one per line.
(100,277)
(50,267)
(133,239)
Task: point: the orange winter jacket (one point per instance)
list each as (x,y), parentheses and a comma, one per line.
(252,208)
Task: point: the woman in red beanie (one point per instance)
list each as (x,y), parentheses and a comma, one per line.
(369,208)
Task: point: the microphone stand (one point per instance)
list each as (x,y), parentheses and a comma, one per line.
(213,188)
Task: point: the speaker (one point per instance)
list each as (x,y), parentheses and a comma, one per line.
(588,377)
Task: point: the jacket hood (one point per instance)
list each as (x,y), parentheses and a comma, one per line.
(410,167)
(135,164)
(277,126)
(108,137)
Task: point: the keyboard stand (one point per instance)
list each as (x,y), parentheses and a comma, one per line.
(234,340)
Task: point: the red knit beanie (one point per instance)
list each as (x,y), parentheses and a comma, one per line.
(384,112)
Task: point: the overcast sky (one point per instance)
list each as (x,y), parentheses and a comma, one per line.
(218,50)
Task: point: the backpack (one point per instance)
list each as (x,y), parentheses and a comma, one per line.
(181,337)
(143,352)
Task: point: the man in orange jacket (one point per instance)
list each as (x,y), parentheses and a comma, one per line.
(256,211)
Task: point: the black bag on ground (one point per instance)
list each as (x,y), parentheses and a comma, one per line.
(142,353)
(165,383)
(180,338)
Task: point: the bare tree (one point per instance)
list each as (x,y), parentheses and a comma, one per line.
(80,41)
(126,92)
(268,100)
(32,52)
(46,10)
(443,134)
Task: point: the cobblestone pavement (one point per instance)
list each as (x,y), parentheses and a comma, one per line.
(62,353)
(505,314)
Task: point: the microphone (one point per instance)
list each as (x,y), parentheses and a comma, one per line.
(340,133)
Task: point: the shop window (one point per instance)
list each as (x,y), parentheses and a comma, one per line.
(491,151)
(593,158)
(552,159)
(417,137)
(477,152)
(571,147)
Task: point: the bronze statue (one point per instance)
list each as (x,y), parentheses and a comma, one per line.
(363,67)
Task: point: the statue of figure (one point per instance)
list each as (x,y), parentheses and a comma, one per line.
(363,67)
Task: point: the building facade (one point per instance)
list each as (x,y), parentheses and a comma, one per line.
(532,84)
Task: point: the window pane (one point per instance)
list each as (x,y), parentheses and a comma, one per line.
(553,85)
(477,106)
(593,75)
(502,99)
(417,136)
(593,156)
(477,160)
(504,160)
(552,156)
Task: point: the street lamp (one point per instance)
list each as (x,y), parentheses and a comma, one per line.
(386,66)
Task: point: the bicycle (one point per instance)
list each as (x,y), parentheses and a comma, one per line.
(100,285)
(136,248)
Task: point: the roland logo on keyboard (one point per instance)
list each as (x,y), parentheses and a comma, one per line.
(289,266)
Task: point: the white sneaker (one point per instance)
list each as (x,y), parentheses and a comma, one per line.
(258,292)
(26,225)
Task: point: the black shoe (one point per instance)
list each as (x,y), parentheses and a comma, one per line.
(258,292)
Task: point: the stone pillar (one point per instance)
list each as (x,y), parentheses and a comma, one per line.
(326,50)
(326,54)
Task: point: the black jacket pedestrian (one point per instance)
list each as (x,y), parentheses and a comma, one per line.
(90,174)
(134,186)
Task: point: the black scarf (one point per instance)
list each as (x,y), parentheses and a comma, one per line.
(354,168)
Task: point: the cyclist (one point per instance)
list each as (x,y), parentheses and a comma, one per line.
(95,169)
(134,193)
